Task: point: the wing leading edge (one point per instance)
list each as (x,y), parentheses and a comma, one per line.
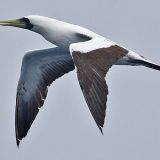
(39,69)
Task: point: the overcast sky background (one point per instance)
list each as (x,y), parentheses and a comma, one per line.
(64,129)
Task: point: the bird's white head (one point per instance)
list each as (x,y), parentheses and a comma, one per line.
(40,24)
(32,22)
(50,29)
(57,32)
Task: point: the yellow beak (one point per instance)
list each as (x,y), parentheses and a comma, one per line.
(13,23)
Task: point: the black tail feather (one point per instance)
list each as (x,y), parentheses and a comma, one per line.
(153,66)
(148,64)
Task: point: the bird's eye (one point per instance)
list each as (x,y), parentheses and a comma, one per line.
(25,20)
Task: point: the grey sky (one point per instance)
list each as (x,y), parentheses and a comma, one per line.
(64,129)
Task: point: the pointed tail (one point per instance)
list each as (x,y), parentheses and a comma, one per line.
(148,64)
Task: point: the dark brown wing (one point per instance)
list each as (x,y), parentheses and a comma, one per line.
(91,71)
(39,70)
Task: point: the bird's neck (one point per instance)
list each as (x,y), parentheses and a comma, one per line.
(62,34)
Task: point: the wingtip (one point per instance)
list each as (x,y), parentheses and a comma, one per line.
(100,128)
(18,142)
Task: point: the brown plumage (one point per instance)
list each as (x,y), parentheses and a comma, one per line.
(91,71)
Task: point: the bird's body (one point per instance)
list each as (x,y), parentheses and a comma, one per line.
(92,54)
(64,34)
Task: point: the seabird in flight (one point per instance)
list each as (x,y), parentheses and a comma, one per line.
(92,54)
